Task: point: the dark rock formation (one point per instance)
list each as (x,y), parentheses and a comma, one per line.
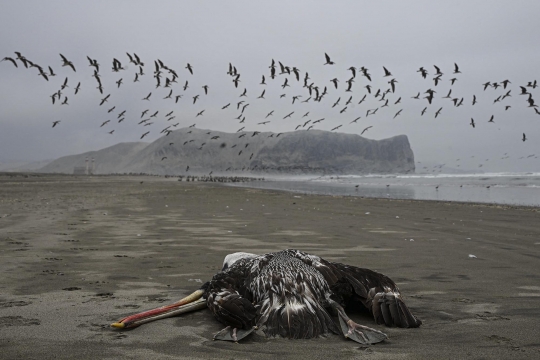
(299,152)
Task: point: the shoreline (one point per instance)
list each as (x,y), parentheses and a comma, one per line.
(80,253)
(246,184)
(454,202)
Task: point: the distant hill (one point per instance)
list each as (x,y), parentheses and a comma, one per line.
(107,160)
(21,166)
(299,152)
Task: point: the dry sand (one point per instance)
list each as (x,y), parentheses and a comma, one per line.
(77,253)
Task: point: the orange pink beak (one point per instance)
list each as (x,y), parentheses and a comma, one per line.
(190,303)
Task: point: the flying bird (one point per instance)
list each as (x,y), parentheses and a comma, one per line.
(55,123)
(66,62)
(366,129)
(104,100)
(7,58)
(328,61)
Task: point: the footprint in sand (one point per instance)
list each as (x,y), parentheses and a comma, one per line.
(128,306)
(8,304)
(6,321)
(463,300)
(72,288)
(487,316)
(504,341)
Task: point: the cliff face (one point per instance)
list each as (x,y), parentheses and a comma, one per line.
(326,152)
(300,152)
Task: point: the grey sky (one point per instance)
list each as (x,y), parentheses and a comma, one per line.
(490,40)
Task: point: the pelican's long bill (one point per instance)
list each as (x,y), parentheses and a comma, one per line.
(188,304)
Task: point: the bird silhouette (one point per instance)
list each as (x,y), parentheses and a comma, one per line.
(328,61)
(366,129)
(7,58)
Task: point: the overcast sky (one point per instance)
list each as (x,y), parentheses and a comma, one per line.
(489,40)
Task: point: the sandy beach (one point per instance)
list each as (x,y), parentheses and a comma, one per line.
(77,253)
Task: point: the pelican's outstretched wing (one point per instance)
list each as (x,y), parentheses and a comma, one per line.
(377,292)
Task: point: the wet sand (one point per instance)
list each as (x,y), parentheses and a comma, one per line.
(77,253)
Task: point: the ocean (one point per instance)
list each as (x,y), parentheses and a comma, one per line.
(494,188)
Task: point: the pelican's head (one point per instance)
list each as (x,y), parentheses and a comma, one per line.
(194,301)
(234,257)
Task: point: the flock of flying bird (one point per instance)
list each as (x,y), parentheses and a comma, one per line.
(168,78)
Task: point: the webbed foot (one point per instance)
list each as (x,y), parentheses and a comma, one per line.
(359,333)
(232,334)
